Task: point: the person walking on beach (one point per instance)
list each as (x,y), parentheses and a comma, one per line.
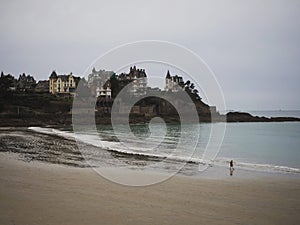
(231,169)
(231,164)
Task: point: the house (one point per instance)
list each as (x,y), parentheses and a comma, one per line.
(42,86)
(26,83)
(173,83)
(99,83)
(139,79)
(63,84)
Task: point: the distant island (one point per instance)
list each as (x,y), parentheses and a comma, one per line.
(25,102)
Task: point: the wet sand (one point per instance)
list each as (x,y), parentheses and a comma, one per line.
(43,193)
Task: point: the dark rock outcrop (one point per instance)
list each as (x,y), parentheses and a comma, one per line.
(247,117)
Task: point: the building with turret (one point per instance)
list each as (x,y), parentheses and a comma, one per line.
(99,83)
(173,83)
(139,79)
(26,83)
(63,84)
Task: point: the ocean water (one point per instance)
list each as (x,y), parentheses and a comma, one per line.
(268,147)
(263,146)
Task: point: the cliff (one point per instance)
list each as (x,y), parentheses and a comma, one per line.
(36,109)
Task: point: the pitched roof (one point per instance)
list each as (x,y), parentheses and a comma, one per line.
(53,74)
(168,75)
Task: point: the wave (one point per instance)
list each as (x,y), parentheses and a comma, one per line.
(116,147)
(257,166)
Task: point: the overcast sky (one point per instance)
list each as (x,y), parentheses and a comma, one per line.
(252,46)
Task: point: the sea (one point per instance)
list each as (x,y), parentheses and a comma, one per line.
(189,149)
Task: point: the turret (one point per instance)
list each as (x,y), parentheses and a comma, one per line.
(168,75)
(53,74)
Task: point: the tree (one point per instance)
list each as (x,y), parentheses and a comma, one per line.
(6,82)
(187,83)
(192,86)
(181,84)
(115,86)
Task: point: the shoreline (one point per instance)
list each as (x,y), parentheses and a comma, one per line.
(62,149)
(66,119)
(42,193)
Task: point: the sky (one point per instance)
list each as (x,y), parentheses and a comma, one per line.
(253,47)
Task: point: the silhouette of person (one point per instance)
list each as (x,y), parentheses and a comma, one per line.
(231,169)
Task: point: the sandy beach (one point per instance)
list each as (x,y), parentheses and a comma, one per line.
(43,193)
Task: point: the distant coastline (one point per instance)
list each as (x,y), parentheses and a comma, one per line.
(275,113)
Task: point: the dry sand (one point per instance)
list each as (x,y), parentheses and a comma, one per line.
(41,193)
